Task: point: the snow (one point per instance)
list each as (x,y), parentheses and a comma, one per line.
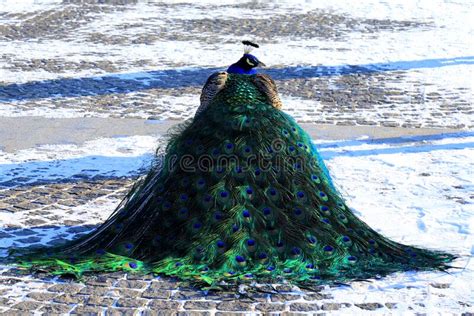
(115,157)
(23,6)
(414,190)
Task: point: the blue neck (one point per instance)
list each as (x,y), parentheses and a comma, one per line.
(237,69)
(242,67)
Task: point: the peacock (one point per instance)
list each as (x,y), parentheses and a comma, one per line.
(240,195)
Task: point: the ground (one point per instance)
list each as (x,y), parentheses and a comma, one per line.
(88,88)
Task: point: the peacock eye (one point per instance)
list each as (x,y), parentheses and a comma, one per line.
(250,63)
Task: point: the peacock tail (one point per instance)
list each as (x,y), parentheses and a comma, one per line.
(241,194)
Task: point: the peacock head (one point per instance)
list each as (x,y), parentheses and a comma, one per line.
(246,64)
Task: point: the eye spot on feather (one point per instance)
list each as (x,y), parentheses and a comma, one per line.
(312,239)
(295,251)
(262,256)
(224,194)
(183,212)
(240,259)
(166,206)
(328,249)
(267,211)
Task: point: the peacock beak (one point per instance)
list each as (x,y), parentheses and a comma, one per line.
(260,64)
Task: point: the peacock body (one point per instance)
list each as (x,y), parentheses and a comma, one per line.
(240,195)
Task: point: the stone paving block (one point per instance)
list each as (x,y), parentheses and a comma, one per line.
(51,308)
(131,284)
(160,305)
(131,302)
(100,281)
(391,305)
(94,290)
(154,312)
(121,312)
(188,295)
(193,313)
(331,306)
(284,297)
(87,310)
(122,292)
(284,287)
(334,306)
(369,306)
(199,305)
(234,306)
(440,285)
(254,297)
(71,299)
(303,307)
(219,296)
(41,296)
(156,293)
(236,314)
(317,296)
(141,277)
(270,307)
(68,288)
(96,300)
(27,306)
(164,284)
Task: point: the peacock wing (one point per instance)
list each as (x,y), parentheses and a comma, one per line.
(267,86)
(214,84)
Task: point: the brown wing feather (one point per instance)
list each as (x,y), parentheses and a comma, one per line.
(267,86)
(214,84)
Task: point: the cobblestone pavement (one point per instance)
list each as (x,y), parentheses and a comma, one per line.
(149,60)
(334,64)
(122,294)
